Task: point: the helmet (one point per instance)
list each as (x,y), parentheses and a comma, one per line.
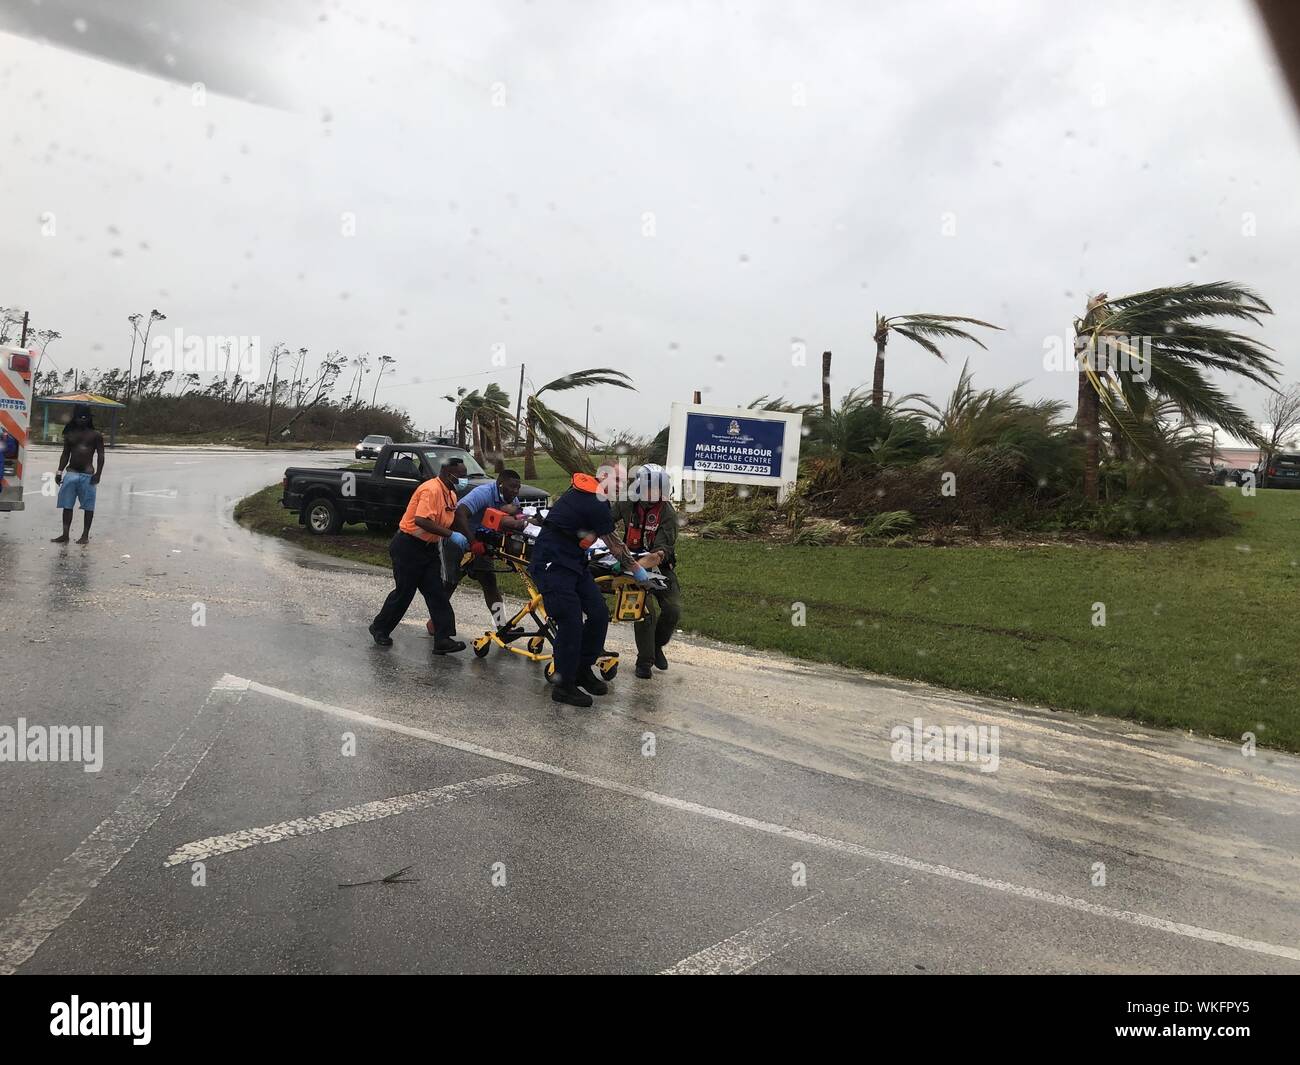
(650,483)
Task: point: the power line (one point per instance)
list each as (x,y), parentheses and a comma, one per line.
(435,380)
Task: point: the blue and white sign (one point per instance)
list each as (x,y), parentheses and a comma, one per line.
(735,445)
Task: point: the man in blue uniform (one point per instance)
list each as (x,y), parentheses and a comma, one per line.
(569,593)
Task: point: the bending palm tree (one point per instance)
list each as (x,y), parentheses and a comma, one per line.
(1138,349)
(558,430)
(922,329)
(490,411)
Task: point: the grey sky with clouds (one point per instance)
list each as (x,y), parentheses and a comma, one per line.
(799,161)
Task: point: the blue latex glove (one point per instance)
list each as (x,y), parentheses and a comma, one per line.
(641,575)
(459,540)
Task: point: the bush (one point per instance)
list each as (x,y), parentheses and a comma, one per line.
(1196,513)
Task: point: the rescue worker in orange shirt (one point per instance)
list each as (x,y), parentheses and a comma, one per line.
(417,559)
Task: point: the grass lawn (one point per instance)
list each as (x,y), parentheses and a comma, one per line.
(1200,635)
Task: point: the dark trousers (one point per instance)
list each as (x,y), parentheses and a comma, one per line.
(567,597)
(663,611)
(417,567)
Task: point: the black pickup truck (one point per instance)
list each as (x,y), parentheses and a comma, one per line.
(326,500)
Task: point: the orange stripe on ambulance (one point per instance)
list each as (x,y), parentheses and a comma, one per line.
(15,417)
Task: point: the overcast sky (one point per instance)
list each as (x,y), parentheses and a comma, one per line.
(683,191)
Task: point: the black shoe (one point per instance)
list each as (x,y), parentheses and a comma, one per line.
(642,669)
(448,647)
(660,661)
(571,694)
(381,638)
(589,681)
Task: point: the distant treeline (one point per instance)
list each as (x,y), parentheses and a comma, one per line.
(173,405)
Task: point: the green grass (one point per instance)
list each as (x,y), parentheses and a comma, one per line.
(1199,635)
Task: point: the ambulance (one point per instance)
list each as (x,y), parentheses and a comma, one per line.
(15,415)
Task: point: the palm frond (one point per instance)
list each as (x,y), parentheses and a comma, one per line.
(600,375)
(916,338)
(556,431)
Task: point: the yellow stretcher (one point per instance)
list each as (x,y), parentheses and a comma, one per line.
(531,627)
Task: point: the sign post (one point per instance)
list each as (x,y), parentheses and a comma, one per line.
(735,445)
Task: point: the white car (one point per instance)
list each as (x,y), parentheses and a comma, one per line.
(370,447)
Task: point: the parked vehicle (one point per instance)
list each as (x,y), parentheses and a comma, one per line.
(369,447)
(1282,472)
(327,499)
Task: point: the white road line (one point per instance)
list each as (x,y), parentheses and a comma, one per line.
(1142,920)
(157,493)
(769,937)
(203,849)
(51,903)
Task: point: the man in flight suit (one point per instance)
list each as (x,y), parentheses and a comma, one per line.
(559,569)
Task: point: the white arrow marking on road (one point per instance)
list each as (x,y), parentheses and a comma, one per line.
(157,493)
(1068,902)
(202,849)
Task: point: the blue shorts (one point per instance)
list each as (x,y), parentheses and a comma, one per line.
(76,488)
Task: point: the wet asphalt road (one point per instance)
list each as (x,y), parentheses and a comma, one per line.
(738,813)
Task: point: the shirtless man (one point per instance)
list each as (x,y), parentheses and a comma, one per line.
(82,442)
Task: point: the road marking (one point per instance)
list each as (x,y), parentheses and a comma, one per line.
(1068,902)
(157,493)
(769,937)
(203,849)
(51,903)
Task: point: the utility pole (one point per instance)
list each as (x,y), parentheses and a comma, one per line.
(695,398)
(826,384)
(23,342)
(519,401)
(586,421)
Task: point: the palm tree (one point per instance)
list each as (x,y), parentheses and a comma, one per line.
(385,361)
(155,315)
(1138,349)
(46,337)
(134,319)
(557,430)
(464,401)
(491,410)
(921,329)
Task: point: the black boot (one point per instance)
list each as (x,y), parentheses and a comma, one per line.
(381,638)
(447,646)
(571,694)
(589,681)
(643,668)
(661,662)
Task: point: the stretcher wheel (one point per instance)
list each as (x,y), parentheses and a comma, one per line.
(608,668)
(535,644)
(482,646)
(549,673)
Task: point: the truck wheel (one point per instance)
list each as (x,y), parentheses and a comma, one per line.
(324,518)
